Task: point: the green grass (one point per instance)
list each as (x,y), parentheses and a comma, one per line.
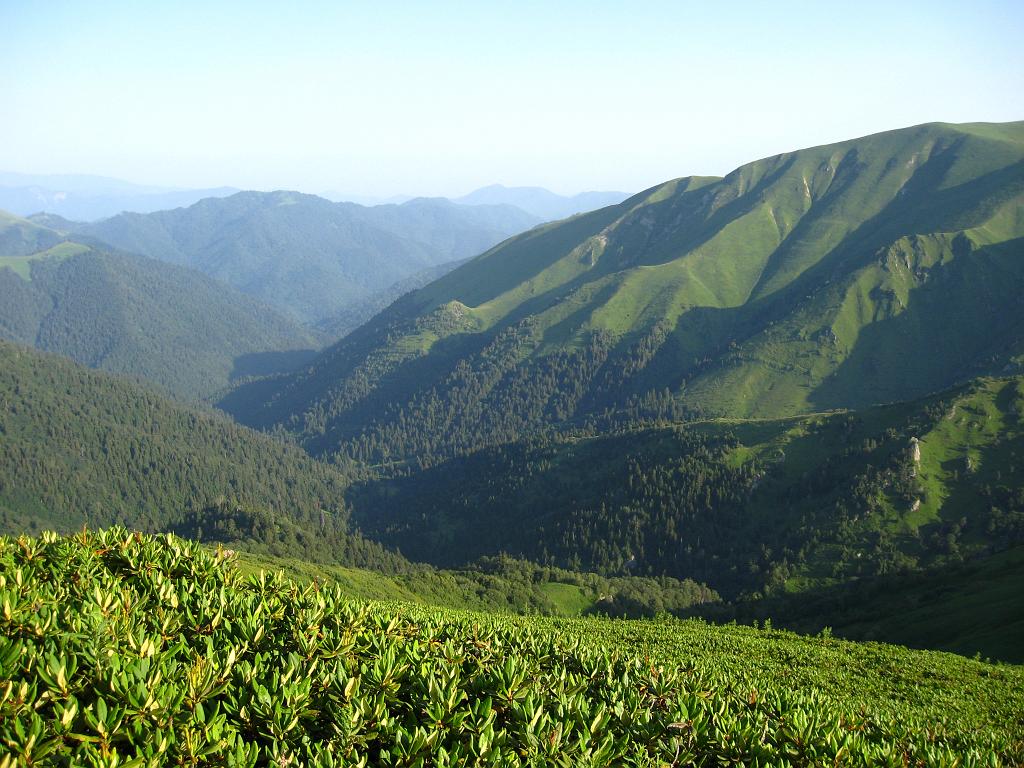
(569,599)
(22,265)
(454,589)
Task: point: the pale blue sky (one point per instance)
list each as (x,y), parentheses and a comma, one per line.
(440,98)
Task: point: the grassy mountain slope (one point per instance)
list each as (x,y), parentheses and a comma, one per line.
(498,585)
(305,255)
(22,237)
(869,271)
(754,507)
(141,317)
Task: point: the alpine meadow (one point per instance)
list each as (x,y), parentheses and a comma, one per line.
(351,416)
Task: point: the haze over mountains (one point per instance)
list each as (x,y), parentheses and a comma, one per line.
(542,203)
(868,271)
(85,198)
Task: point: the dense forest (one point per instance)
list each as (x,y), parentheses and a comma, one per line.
(80,448)
(174,327)
(748,507)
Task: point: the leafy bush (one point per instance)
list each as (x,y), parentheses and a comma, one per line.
(124,649)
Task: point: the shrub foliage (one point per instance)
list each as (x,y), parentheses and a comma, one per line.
(124,649)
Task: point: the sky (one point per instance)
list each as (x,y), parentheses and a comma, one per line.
(439,98)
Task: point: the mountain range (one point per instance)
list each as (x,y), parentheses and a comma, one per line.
(304,255)
(328,266)
(864,272)
(797,388)
(540,202)
(86,198)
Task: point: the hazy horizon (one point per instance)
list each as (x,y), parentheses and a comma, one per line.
(408,100)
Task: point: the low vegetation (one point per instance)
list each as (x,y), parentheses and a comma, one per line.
(124,649)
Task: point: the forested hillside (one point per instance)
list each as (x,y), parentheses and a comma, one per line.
(131,315)
(869,271)
(754,507)
(21,237)
(79,448)
(306,256)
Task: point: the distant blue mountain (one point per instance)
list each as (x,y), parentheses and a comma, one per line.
(88,198)
(540,202)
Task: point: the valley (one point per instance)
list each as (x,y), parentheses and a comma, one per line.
(514,491)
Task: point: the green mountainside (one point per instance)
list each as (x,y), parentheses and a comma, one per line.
(80,447)
(755,507)
(870,271)
(21,237)
(306,256)
(795,393)
(144,318)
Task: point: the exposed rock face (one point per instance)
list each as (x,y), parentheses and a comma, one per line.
(915,455)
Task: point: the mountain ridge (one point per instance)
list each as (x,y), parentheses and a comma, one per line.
(88,198)
(774,290)
(303,254)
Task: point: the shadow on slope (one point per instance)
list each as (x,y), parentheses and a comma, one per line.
(270,363)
